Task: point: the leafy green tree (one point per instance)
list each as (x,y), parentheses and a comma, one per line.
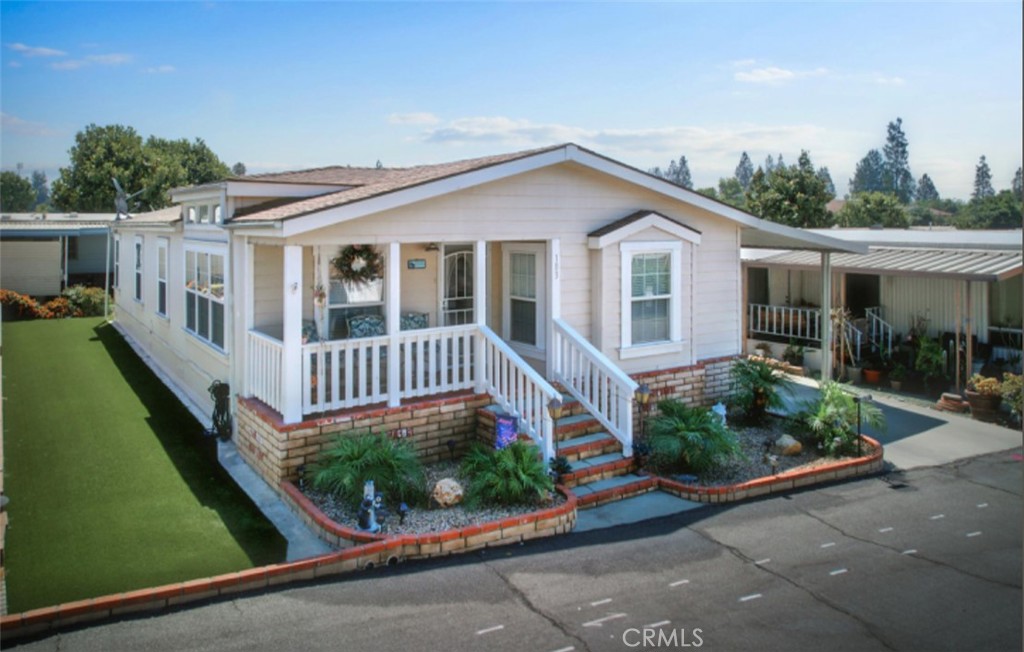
(101,154)
(744,172)
(769,164)
(869,173)
(982,181)
(926,190)
(41,188)
(710,191)
(871,208)
(238,169)
(1017,188)
(897,178)
(730,191)
(826,178)
(16,194)
(795,195)
(1002,211)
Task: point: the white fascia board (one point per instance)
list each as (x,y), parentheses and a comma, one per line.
(810,240)
(194,193)
(651,220)
(328,217)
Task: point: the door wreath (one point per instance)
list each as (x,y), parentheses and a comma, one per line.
(358,264)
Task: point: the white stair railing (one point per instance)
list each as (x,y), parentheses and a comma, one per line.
(879,330)
(520,390)
(604,389)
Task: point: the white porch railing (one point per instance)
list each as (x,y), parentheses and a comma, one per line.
(265,357)
(784,321)
(520,390)
(604,389)
(879,330)
(436,360)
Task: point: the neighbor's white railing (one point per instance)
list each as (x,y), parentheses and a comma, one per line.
(784,321)
(879,330)
(604,389)
(520,390)
(265,357)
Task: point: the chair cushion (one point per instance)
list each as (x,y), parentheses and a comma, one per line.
(413,320)
(365,326)
(310,334)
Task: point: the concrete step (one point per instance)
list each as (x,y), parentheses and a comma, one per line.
(586,446)
(576,425)
(597,468)
(614,488)
(630,509)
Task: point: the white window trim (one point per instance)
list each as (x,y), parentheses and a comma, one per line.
(138,269)
(214,251)
(675,343)
(117,261)
(163,249)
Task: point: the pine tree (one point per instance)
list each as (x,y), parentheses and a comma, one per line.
(982,181)
(41,188)
(826,177)
(779,163)
(868,175)
(683,177)
(926,190)
(238,169)
(795,196)
(1017,188)
(898,179)
(744,171)
(769,165)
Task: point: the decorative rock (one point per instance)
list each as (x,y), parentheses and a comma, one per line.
(447,493)
(787,445)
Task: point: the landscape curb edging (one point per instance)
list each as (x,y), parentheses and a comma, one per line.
(372,551)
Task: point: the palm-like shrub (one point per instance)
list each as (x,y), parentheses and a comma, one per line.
(756,386)
(832,419)
(688,438)
(351,460)
(514,475)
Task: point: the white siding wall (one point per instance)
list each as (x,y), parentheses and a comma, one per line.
(92,251)
(30,267)
(190,363)
(568,202)
(268,288)
(905,297)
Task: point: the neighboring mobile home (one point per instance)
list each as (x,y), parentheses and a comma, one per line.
(405,299)
(940,280)
(43,253)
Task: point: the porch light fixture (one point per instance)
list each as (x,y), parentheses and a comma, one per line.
(451,443)
(555,409)
(643,395)
(431,246)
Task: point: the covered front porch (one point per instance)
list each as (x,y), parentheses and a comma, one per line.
(319,342)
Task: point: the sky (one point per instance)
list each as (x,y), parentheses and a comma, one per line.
(283,86)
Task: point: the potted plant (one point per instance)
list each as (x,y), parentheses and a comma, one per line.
(873,369)
(930,362)
(984,395)
(896,375)
(794,354)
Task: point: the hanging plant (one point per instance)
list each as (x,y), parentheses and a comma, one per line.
(358,264)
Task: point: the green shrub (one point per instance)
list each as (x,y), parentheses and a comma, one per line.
(88,301)
(1013,392)
(683,438)
(351,460)
(930,362)
(831,419)
(514,475)
(756,386)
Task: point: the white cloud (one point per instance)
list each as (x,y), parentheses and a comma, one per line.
(889,81)
(419,118)
(70,64)
(112,59)
(161,70)
(14,64)
(15,125)
(34,51)
(774,75)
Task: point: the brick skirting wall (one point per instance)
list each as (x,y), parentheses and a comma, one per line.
(276,450)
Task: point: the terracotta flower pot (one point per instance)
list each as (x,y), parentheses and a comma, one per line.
(872,376)
(984,407)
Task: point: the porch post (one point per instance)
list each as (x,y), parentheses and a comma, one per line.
(248,312)
(826,316)
(554,284)
(479,313)
(291,372)
(393,305)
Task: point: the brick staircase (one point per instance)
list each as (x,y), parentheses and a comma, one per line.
(600,474)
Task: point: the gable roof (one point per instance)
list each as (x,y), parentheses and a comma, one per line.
(636,222)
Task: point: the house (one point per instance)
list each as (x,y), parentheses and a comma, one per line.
(407,300)
(43,253)
(940,280)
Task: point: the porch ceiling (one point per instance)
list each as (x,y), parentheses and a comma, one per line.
(963,264)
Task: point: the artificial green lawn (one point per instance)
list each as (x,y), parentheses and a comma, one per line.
(113,486)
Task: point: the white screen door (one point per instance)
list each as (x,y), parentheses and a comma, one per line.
(523,314)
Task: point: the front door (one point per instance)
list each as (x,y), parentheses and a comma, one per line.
(523,297)
(457,285)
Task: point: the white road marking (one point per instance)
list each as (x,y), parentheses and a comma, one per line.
(605,601)
(490,629)
(974,534)
(762,562)
(937,517)
(911,551)
(599,621)
(660,623)
(838,571)
(828,545)
(565,649)
(753,596)
(885,529)
(982,505)
(679,583)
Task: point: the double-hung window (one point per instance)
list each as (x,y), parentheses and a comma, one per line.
(651,296)
(204,294)
(161,277)
(117,261)
(138,268)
